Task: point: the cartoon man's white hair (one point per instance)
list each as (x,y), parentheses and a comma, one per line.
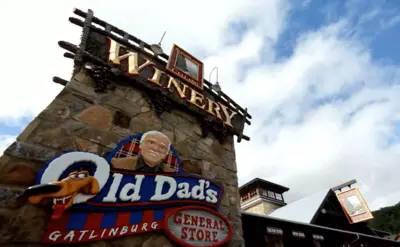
(155,132)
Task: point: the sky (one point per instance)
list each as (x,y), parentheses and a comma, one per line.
(320,78)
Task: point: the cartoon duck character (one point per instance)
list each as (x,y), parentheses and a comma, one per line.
(62,193)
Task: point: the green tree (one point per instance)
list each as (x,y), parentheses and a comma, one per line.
(387,219)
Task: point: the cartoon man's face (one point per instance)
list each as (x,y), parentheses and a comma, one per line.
(154,149)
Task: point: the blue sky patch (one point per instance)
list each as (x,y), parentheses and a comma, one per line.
(374,22)
(13,129)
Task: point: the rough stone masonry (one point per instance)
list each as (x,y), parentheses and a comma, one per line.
(80,119)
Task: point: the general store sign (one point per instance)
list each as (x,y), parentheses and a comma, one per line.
(129,192)
(195,226)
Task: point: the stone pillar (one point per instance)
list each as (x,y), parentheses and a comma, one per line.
(80,119)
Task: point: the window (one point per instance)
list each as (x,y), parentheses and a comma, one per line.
(298,234)
(278,196)
(318,237)
(274,231)
(253,193)
(271,194)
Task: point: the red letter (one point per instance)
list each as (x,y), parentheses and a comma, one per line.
(208,223)
(178,218)
(195,220)
(221,226)
(192,230)
(184,233)
(200,234)
(215,236)
(187,217)
(215,224)
(202,221)
(208,236)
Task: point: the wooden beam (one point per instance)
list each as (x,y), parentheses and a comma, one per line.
(110,28)
(347,184)
(60,81)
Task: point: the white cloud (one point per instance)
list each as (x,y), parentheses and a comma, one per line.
(294,142)
(33,56)
(309,148)
(5,141)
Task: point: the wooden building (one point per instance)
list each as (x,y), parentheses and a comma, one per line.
(316,220)
(261,196)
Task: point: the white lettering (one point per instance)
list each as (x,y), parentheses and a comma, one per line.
(113,231)
(144,227)
(123,230)
(160,180)
(134,228)
(198,190)
(211,196)
(132,187)
(154,225)
(111,196)
(54,235)
(83,232)
(92,235)
(183,193)
(70,235)
(102,233)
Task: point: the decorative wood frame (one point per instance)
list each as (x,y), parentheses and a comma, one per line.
(197,82)
(112,76)
(362,216)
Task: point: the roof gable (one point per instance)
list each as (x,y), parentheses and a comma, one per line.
(303,210)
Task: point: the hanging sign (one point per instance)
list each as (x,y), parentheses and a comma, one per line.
(354,206)
(129,192)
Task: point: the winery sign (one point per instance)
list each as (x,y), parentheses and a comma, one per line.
(170,82)
(137,188)
(137,64)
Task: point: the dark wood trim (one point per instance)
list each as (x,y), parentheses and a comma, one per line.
(273,200)
(110,28)
(142,84)
(254,236)
(347,184)
(318,212)
(60,81)
(163,63)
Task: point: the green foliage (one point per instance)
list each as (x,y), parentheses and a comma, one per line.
(387,219)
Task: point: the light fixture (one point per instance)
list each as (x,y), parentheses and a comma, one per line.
(156,48)
(89,65)
(216,87)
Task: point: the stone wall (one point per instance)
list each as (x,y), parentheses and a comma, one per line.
(80,119)
(263,207)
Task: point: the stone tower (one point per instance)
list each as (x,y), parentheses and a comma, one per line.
(261,197)
(120,88)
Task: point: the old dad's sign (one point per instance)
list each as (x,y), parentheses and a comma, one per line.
(129,192)
(139,65)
